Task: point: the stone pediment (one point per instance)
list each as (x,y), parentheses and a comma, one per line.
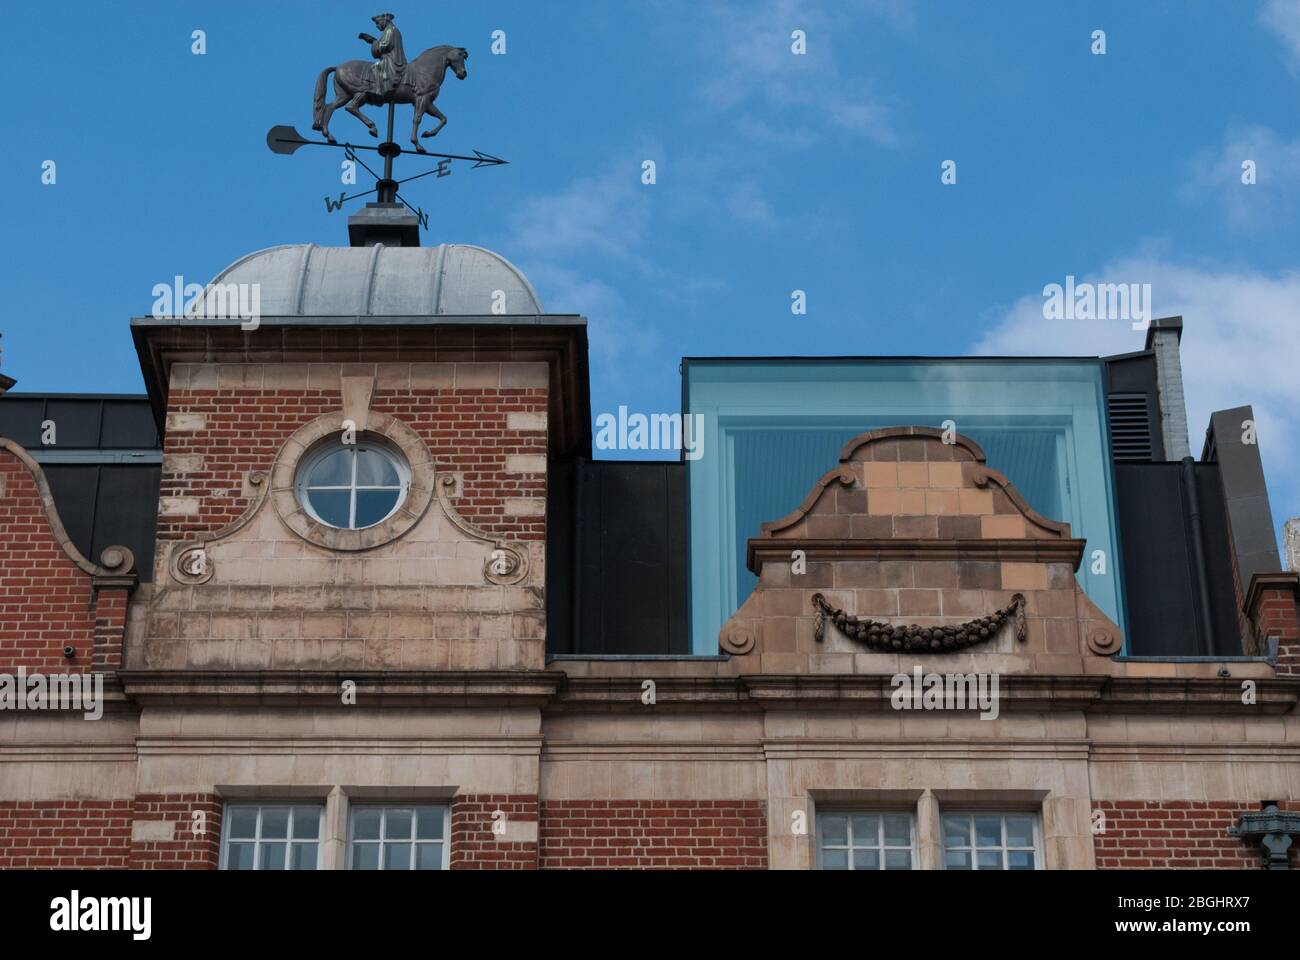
(913,546)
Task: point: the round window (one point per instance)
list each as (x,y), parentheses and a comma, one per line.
(351,486)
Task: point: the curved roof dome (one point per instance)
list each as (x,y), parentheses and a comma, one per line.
(305,280)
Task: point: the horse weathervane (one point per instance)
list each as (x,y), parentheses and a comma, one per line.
(388,79)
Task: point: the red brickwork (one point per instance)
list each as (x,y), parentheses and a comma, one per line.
(1161,834)
(50,834)
(1275,613)
(664,834)
(473,844)
(46,601)
(465,428)
(196,840)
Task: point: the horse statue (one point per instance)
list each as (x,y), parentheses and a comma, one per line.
(354,85)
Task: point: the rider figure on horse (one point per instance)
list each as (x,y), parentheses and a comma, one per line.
(390,58)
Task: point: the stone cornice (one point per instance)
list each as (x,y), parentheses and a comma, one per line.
(559,341)
(761,550)
(373,688)
(553,690)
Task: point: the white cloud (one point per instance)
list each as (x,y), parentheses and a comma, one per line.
(782,95)
(1273,198)
(748,205)
(1283,17)
(1240,345)
(607,214)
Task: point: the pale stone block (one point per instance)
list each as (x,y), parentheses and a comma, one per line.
(879,474)
(913,475)
(1002,527)
(911,503)
(182,462)
(477,376)
(148,831)
(1024,576)
(432,376)
(177,423)
(178,506)
(941,502)
(526,421)
(974,502)
(525,507)
(528,463)
(525,375)
(945,474)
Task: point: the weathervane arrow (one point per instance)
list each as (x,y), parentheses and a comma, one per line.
(286,140)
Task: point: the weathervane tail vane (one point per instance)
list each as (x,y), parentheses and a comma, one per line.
(387,80)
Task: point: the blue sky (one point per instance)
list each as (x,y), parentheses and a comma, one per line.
(775,172)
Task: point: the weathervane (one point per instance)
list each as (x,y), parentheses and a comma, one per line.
(388,79)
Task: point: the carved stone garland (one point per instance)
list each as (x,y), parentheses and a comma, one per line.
(886,637)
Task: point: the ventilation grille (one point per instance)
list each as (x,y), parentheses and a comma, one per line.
(1130,426)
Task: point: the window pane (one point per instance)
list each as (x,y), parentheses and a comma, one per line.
(866,860)
(304,856)
(365,823)
(374,469)
(898,859)
(1020,831)
(1020,859)
(306,823)
(956,831)
(275,823)
(988,831)
(243,822)
(374,505)
(898,831)
(866,831)
(956,860)
(835,828)
(429,856)
(331,507)
(990,859)
(333,470)
(835,859)
(397,856)
(365,856)
(429,823)
(398,825)
(239,856)
(272,856)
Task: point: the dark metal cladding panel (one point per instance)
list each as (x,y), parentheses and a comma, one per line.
(127,512)
(128,424)
(20,420)
(1130,381)
(76,423)
(104,505)
(1159,576)
(616,558)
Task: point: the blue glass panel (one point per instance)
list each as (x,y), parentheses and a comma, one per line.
(773,428)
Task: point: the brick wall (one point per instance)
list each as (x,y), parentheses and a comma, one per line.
(1273,603)
(194,844)
(1156,834)
(46,600)
(664,834)
(226,421)
(49,834)
(473,844)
